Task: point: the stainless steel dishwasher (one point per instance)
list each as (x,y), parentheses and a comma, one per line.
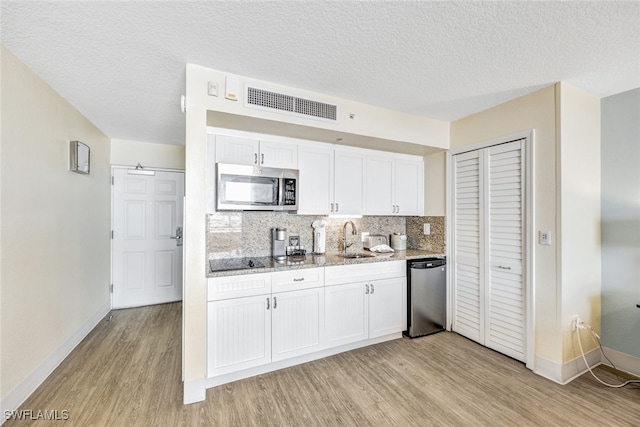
(427,296)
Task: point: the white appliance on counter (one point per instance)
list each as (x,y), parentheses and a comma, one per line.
(399,241)
(319,236)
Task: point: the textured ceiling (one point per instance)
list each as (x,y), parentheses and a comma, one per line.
(122,64)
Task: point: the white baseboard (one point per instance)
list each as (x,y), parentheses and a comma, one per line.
(22,391)
(564,373)
(623,361)
(194,391)
(286,363)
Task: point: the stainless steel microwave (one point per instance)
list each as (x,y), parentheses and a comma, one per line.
(254,188)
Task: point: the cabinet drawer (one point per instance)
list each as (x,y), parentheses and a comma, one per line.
(292,280)
(340,274)
(219,288)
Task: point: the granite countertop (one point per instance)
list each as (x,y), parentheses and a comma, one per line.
(236,266)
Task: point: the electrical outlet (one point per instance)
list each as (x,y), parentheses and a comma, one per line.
(364,235)
(426,230)
(575,321)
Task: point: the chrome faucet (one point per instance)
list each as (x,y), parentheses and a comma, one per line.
(344,235)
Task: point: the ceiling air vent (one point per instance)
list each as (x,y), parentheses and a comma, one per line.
(265,99)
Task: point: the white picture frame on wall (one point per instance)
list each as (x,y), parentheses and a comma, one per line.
(79,157)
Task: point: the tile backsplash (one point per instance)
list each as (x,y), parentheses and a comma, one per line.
(242,234)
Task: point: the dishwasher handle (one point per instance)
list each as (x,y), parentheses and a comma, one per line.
(421,265)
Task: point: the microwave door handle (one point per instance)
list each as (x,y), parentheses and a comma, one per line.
(280,191)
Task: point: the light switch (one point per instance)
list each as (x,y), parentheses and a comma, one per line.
(426,229)
(545,237)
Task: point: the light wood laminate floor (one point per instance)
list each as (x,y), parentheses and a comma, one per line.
(127,373)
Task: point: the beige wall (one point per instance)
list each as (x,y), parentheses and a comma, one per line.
(534,111)
(579,213)
(566,121)
(147,154)
(55,226)
(435,184)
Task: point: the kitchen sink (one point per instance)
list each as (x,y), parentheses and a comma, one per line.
(356,255)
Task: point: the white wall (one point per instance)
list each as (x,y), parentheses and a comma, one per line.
(147,154)
(579,208)
(55,231)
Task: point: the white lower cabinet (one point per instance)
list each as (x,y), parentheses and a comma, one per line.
(387,303)
(247,332)
(346,314)
(298,312)
(357,311)
(297,322)
(238,334)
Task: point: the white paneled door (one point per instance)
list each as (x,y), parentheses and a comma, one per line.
(488,263)
(147,237)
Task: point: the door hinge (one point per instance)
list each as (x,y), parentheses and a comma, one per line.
(111,288)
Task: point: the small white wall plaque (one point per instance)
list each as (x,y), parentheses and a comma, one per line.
(79,157)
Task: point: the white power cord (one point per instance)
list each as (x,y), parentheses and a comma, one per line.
(581,325)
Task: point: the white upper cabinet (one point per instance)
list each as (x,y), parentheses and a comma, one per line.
(409,186)
(315,163)
(394,185)
(380,183)
(249,151)
(282,155)
(349,182)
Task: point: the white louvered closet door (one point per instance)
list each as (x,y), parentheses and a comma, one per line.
(499,215)
(504,302)
(468,271)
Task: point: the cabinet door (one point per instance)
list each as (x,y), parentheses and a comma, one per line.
(386,306)
(316,180)
(379,186)
(236,150)
(297,323)
(278,155)
(238,334)
(346,314)
(349,183)
(409,187)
